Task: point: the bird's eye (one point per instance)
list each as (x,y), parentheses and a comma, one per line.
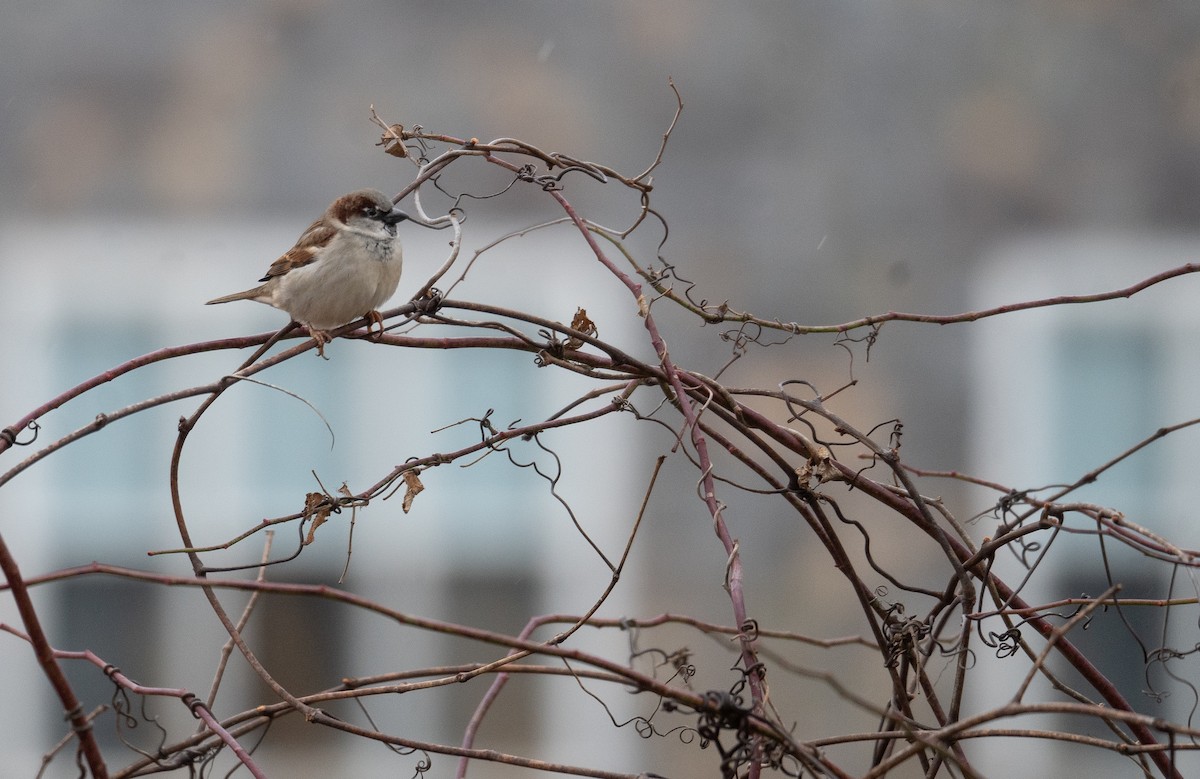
(372,212)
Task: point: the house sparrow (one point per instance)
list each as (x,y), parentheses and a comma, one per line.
(344,266)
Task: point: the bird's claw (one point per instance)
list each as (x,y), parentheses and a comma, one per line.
(321,337)
(374,319)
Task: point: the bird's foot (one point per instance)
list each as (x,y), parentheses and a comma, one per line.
(322,337)
(374,319)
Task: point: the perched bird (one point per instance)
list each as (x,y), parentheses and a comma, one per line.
(344,266)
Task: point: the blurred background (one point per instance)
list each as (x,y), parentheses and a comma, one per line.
(833,160)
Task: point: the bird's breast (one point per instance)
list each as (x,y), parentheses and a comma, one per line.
(382,249)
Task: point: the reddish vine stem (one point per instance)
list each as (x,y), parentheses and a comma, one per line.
(186,425)
(198,708)
(49,663)
(734,574)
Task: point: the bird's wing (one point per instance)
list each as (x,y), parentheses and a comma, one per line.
(305,251)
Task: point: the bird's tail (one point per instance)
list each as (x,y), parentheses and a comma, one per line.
(248,294)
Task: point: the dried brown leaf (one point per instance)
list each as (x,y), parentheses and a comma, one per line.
(584,325)
(392,141)
(413,487)
(319,513)
(819,465)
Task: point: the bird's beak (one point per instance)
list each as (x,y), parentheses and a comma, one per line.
(394,216)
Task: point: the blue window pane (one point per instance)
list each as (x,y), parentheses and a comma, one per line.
(1107,387)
